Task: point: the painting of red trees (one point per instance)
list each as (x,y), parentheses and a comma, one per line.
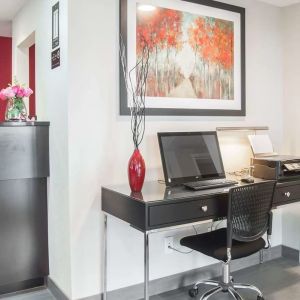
(191,56)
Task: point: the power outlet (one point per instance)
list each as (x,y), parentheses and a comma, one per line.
(169,242)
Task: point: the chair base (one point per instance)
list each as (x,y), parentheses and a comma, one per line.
(225,286)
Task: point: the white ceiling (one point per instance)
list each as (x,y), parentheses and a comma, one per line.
(281,2)
(9,8)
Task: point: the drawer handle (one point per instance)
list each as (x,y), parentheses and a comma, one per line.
(287,194)
(204,208)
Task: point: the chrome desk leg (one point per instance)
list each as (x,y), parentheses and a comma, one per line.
(261,256)
(146,265)
(105,259)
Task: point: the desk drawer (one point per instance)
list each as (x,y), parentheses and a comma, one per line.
(286,194)
(182,211)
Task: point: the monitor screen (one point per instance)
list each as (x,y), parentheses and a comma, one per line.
(190,156)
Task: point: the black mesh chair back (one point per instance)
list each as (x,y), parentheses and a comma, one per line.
(248,211)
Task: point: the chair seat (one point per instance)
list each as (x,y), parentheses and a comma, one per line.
(214,244)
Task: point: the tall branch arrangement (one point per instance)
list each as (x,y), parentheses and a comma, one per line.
(136,84)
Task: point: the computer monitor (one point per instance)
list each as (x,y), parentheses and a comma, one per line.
(190,156)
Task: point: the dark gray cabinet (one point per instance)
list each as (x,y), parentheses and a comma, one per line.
(24,168)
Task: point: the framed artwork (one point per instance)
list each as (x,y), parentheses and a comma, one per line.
(197,56)
(55,25)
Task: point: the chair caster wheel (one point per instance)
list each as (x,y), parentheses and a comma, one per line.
(193,292)
(260,298)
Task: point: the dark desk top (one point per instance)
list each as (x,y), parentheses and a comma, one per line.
(153,191)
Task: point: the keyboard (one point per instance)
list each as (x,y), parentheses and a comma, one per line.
(209,184)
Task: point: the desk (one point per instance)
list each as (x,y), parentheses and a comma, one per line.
(158,207)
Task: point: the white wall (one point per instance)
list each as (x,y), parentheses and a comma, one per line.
(5,28)
(91,144)
(291,16)
(100,140)
(52,105)
(88,132)
(291,106)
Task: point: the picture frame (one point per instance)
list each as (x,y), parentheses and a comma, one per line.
(55,25)
(215,85)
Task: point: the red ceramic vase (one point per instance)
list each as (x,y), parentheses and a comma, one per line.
(136,171)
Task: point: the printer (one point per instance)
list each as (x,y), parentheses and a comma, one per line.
(267,164)
(276,167)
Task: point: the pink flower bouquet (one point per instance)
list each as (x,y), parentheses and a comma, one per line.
(16,108)
(15,91)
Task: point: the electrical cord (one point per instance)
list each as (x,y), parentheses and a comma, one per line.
(195,229)
(160,181)
(216,227)
(211,226)
(182,252)
(240,173)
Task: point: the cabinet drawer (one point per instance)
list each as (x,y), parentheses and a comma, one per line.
(286,194)
(182,211)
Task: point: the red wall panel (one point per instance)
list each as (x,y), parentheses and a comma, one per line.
(5,69)
(32,111)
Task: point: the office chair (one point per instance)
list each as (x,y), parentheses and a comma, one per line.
(249,218)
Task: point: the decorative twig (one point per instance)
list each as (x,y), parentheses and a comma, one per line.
(136,89)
